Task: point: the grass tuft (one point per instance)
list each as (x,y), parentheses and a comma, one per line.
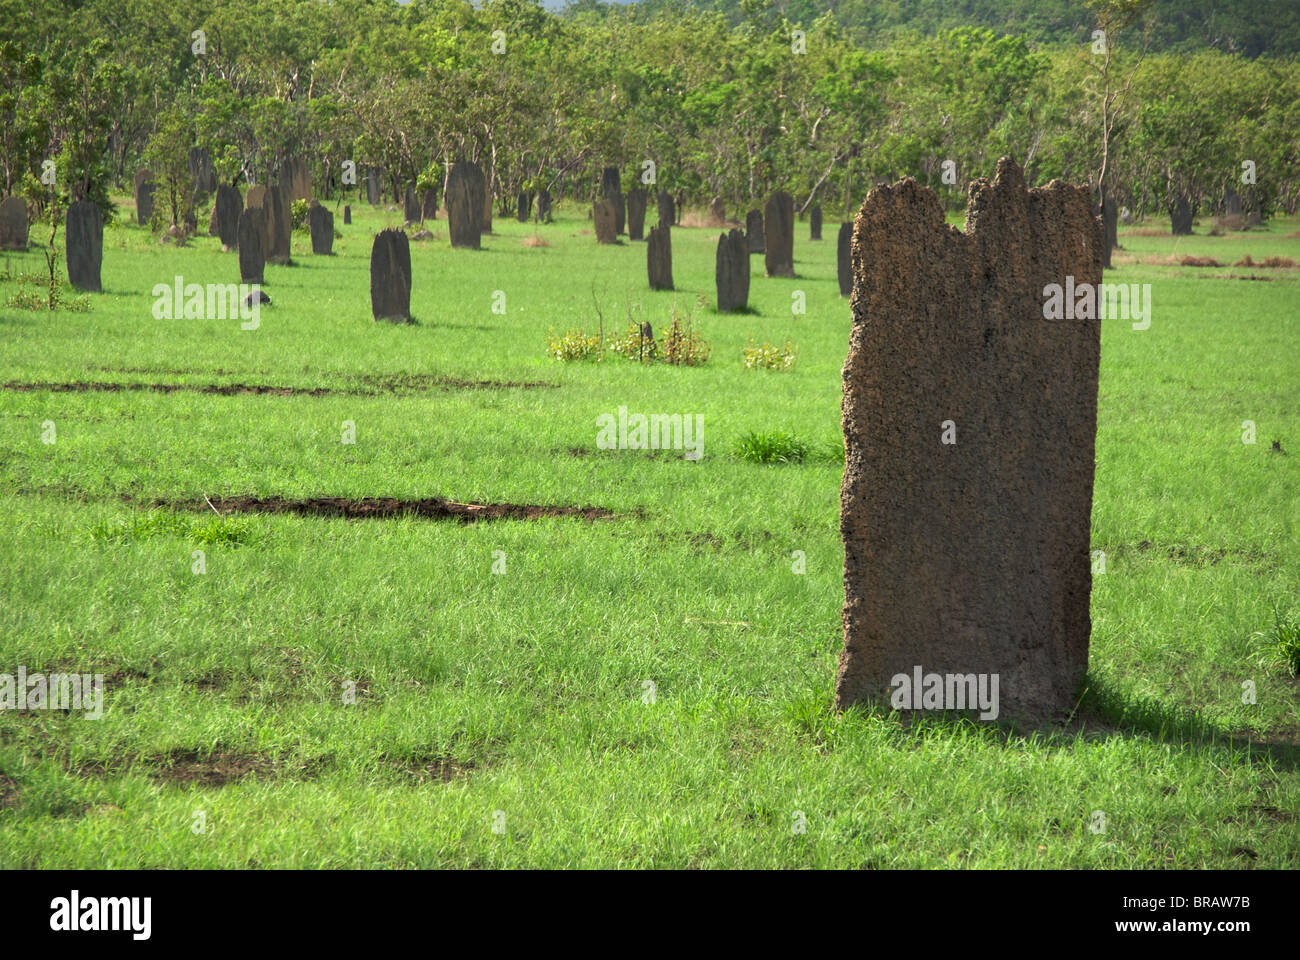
(771,447)
(166,523)
(1281,645)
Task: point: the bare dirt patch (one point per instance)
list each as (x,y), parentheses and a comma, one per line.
(211,681)
(214,770)
(222,389)
(180,372)
(1199,262)
(664,454)
(425,769)
(8,791)
(187,767)
(697,219)
(122,674)
(380,508)
(1234,276)
(402,382)
(1197,555)
(369,385)
(190,767)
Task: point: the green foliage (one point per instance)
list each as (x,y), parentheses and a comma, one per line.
(774,446)
(24,118)
(139,527)
(680,344)
(718,101)
(222,530)
(252,658)
(298,214)
(167,157)
(86,95)
(1251,29)
(778,446)
(683,345)
(1281,644)
(62,299)
(634,344)
(765,356)
(45,291)
(575,344)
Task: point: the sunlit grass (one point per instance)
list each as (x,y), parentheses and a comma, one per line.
(391,684)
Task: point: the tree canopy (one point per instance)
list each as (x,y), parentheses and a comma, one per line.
(729,102)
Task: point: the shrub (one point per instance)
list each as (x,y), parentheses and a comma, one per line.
(680,344)
(574,345)
(768,357)
(683,345)
(58,295)
(27,300)
(634,344)
(298,214)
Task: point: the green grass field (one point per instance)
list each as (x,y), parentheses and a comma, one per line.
(505,719)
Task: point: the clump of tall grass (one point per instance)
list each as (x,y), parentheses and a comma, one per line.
(1280,646)
(167,523)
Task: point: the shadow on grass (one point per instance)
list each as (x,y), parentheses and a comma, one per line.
(1103,712)
(1103,704)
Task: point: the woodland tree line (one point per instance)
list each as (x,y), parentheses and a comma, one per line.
(544,100)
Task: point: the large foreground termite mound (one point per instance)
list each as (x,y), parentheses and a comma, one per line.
(969,425)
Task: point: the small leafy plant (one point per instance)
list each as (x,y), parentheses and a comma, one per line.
(765,356)
(683,345)
(637,343)
(574,345)
(53,292)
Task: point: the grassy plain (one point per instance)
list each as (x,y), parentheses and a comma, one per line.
(519,700)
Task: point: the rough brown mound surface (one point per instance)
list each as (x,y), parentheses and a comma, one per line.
(971,557)
(378,508)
